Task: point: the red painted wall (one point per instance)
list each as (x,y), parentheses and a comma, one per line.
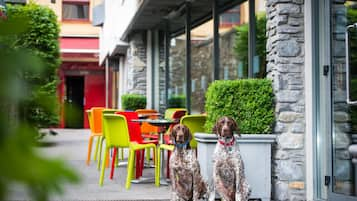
(94,93)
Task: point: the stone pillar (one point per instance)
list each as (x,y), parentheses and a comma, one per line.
(136,64)
(285,57)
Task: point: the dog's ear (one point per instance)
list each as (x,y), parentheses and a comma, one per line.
(188,135)
(234,126)
(215,128)
(173,134)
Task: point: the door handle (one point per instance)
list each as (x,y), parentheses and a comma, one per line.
(347,40)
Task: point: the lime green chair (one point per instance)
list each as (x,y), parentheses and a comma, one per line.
(102,138)
(169,112)
(116,132)
(196,124)
(158,171)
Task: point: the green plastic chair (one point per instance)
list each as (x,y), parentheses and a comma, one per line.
(169,112)
(102,138)
(196,124)
(116,132)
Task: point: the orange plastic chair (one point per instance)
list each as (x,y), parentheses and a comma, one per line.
(96,130)
(147,130)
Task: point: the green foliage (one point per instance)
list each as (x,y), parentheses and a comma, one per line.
(248,101)
(41,38)
(241,45)
(177,101)
(20,162)
(133,101)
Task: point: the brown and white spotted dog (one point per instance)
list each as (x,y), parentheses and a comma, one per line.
(228,168)
(187,182)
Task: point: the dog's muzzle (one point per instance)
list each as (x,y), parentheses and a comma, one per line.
(182,145)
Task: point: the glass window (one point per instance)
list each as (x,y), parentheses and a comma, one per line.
(234,42)
(177,76)
(75,10)
(201,65)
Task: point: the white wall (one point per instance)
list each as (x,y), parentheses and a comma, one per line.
(118,14)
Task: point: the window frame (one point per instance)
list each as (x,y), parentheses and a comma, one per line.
(76,2)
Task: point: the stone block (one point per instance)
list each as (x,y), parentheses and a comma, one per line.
(287,170)
(281,191)
(287,29)
(288,96)
(287,117)
(288,9)
(298,128)
(297,185)
(288,48)
(291,141)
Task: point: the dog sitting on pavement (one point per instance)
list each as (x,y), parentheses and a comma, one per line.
(228,168)
(187,182)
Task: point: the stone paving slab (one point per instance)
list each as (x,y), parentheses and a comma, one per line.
(71,145)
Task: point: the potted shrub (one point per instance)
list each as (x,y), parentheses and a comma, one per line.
(133,101)
(250,103)
(177,101)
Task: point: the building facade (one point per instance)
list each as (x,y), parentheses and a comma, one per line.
(82,79)
(306,47)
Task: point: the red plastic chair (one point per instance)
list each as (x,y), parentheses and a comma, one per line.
(135,136)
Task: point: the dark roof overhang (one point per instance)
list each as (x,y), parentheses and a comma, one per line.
(153,14)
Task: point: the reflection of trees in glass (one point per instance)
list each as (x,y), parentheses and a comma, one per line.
(241,45)
(352,18)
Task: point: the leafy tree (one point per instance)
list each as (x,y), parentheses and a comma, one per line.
(241,45)
(41,38)
(20,71)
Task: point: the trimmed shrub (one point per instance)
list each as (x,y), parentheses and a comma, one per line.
(41,107)
(249,102)
(177,101)
(133,101)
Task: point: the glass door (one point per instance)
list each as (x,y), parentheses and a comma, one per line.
(344,100)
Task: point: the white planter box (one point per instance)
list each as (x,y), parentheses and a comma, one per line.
(256,154)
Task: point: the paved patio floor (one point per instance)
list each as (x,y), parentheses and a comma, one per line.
(71,144)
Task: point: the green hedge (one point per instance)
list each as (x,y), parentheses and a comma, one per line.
(249,102)
(177,101)
(41,107)
(133,101)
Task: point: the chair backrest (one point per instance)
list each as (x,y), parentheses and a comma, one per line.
(195,123)
(116,130)
(171,113)
(134,127)
(145,111)
(174,114)
(146,127)
(97,119)
(90,120)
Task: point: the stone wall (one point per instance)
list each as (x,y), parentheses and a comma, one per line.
(136,64)
(285,57)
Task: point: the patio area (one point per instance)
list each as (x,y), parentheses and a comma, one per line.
(71,144)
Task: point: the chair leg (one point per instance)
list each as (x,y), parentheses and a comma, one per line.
(117,157)
(157,167)
(89,149)
(147,154)
(168,164)
(137,164)
(122,154)
(100,152)
(101,179)
(113,162)
(96,148)
(130,169)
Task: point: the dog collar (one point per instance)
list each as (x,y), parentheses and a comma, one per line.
(182,145)
(227,144)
